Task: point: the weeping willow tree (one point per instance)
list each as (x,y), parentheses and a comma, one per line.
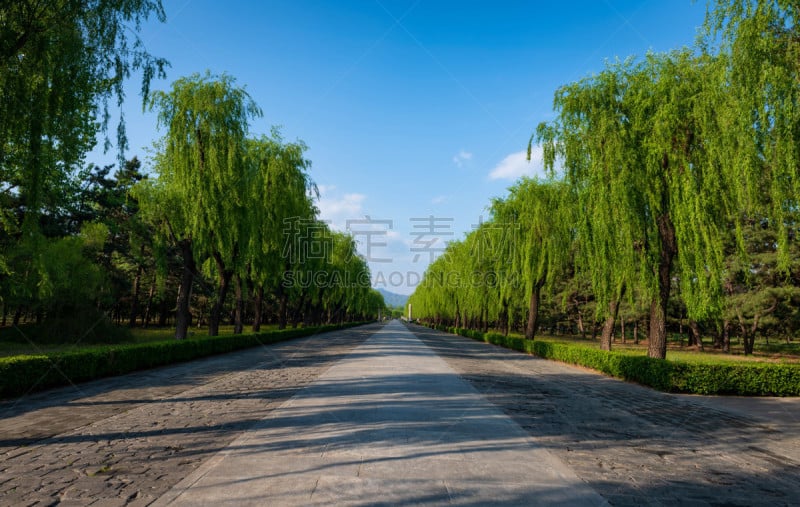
(202,171)
(355,278)
(436,298)
(279,206)
(758,102)
(62,65)
(595,143)
(520,251)
(632,141)
(532,213)
(494,243)
(341,276)
(481,275)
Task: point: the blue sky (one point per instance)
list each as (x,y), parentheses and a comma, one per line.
(411,109)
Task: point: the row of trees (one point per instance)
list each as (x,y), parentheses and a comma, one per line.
(241,210)
(674,174)
(219,210)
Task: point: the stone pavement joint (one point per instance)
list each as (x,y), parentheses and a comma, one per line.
(391,423)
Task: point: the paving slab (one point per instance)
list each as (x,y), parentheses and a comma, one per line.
(391,423)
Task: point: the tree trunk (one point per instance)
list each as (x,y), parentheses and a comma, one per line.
(696,338)
(581,327)
(239,311)
(749,336)
(297,314)
(215,315)
(135,297)
(608,326)
(182,315)
(147,309)
(533,311)
(746,339)
(283,301)
(163,312)
(718,338)
(726,336)
(622,329)
(308,313)
(657,338)
(258,306)
(636,332)
(504,317)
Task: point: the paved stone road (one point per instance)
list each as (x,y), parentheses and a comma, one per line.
(633,445)
(128,440)
(391,424)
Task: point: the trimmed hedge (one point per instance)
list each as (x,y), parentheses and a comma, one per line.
(746,379)
(23,374)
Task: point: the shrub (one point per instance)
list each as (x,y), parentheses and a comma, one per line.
(24,374)
(746,379)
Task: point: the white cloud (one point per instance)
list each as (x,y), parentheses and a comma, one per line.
(439,199)
(337,209)
(516,165)
(461,157)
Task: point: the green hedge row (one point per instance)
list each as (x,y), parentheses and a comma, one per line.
(746,379)
(23,374)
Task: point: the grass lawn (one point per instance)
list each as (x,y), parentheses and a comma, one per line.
(772,353)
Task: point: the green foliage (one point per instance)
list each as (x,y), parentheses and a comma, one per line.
(72,240)
(279,204)
(759,121)
(499,270)
(202,166)
(663,160)
(633,144)
(24,374)
(61,63)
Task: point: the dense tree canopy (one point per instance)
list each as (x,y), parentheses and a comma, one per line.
(671,201)
(631,141)
(203,165)
(61,63)
(659,168)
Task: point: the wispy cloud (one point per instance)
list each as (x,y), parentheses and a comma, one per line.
(461,157)
(516,165)
(439,199)
(336,209)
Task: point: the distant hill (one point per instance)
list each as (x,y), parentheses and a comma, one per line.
(392,299)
